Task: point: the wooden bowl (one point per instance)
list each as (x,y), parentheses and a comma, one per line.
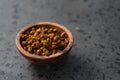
(44,59)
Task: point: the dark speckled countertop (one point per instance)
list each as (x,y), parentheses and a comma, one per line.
(95,25)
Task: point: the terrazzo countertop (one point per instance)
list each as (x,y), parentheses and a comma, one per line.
(95,25)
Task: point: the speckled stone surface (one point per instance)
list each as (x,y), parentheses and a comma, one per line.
(95,25)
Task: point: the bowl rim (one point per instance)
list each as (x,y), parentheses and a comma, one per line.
(27,54)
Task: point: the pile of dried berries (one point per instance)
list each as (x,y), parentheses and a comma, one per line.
(44,41)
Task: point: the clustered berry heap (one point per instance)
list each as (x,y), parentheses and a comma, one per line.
(44,41)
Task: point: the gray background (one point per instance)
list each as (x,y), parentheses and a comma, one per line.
(95,25)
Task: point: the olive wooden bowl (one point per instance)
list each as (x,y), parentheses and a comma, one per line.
(56,58)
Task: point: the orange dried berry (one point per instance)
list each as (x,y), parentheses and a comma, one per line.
(27,32)
(25,48)
(30,42)
(24,42)
(29,36)
(38,45)
(55,38)
(45,30)
(48,39)
(44,42)
(43,54)
(42,27)
(50,30)
(38,30)
(23,36)
(41,48)
(35,34)
(53,46)
(58,41)
(32,45)
(51,35)
(66,41)
(41,35)
(54,30)
(62,34)
(32,32)
(38,52)
(62,43)
(46,52)
(54,51)
(29,49)
(44,49)
(33,29)
(54,43)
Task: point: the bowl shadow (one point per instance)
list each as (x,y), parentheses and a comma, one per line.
(73,68)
